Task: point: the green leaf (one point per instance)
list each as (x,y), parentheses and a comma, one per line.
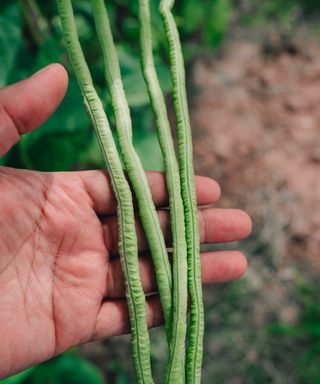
(135,89)
(56,152)
(23,64)
(131,28)
(5,3)
(10,40)
(118,371)
(193,16)
(49,52)
(71,115)
(3,160)
(284,330)
(18,378)
(66,369)
(133,81)
(57,145)
(217,22)
(91,157)
(148,149)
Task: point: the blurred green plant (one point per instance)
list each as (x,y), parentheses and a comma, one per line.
(305,333)
(286,13)
(68,368)
(31,37)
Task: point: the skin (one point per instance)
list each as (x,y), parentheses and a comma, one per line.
(60,277)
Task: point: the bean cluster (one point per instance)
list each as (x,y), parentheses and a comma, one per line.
(184,277)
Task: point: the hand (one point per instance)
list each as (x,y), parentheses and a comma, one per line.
(60,277)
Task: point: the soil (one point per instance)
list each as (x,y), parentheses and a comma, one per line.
(256,122)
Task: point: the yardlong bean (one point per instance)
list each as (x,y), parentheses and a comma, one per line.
(128,242)
(133,166)
(179,300)
(196,329)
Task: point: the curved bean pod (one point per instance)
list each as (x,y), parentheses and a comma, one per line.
(196,329)
(179,300)
(128,242)
(133,166)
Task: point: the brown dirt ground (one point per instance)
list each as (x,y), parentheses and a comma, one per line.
(256,123)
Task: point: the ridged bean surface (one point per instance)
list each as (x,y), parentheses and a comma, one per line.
(196,327)
(133,166)
(128,240)
(179,301)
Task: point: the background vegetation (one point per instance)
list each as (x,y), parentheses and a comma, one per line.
(30,38)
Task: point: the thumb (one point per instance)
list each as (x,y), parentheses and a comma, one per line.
(27,104)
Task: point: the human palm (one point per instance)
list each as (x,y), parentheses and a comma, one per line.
(60,275)
(55,264)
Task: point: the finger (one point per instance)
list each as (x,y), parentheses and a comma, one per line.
(216,267)
(27,104)
(113,317)
(222,266)
(98,186)
(215,225)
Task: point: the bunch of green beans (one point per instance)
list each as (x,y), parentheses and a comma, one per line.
(195,346)
(128,241)
(184,277)
(132,163)
(175,369)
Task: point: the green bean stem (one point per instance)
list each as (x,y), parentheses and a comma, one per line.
(179,302)
(195,345)
(128,241)
(133,166)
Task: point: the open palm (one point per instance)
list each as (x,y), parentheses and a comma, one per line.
(60,276)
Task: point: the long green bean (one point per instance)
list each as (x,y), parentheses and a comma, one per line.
(179,301)
(195,344)
(133,166)
(128,242)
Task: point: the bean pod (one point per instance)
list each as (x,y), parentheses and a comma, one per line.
(128,240)
(196,328)
(179,300)
(133,166)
